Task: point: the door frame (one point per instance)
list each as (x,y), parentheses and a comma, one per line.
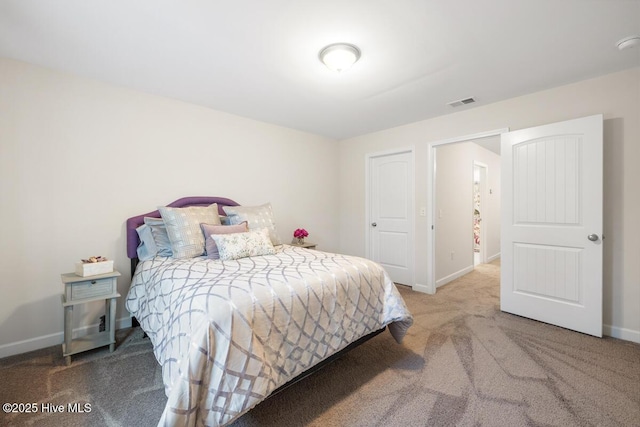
(431,198)
(483,201)
(412,203)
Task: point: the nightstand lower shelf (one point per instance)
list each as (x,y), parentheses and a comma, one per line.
(88,342)
(72,345)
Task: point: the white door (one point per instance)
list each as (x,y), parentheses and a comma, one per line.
(552,224)
(390,214)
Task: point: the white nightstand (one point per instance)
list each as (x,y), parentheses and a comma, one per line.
(80,290)
(306,245)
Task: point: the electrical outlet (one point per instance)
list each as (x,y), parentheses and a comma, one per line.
(439,213)
(452,254)
(423,211)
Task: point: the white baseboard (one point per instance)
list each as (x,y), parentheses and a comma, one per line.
(621,333)
(454,276)
(493,257)
(44,341)
(426,289)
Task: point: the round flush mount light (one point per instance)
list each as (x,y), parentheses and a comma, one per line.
(628,42)
(339,56)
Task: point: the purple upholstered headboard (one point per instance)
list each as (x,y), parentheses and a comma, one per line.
(137,221)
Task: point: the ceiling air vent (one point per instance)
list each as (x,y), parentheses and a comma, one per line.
(462,102)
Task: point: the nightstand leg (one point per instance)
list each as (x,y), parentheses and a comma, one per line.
(68,332)
(110,322)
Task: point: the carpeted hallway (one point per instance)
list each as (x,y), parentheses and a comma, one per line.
(462,363)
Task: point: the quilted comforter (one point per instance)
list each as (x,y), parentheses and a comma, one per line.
(228,333)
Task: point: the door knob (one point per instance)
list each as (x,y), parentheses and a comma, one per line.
(593,237)
(373,224)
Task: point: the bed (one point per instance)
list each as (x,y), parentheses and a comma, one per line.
(230,332)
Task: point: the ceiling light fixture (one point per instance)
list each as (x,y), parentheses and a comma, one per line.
(627,42)
(339,56)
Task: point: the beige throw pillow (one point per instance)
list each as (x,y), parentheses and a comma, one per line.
(256,217)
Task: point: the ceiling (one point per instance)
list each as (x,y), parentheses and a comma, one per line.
(259,59)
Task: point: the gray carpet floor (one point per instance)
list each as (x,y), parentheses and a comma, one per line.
(463,363)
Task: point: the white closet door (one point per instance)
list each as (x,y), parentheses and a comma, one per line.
(391,207)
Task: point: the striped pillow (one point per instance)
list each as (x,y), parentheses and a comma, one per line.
(183,228)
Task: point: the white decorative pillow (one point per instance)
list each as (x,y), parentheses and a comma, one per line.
(183,228)
(256,217)
(211,250)
(242,245)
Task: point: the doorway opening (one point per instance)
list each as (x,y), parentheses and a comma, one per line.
(550,220)
(450,236)
(480,205)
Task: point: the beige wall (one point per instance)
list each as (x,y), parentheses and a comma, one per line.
(78,157)
(617,96)
(454,208)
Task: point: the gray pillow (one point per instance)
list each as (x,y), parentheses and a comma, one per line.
(160,236)
(183,228)
(256,217)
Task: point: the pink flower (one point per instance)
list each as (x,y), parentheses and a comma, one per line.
(300,233)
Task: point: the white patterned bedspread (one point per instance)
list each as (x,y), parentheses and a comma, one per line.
(229,333)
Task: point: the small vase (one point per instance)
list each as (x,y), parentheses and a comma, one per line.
(299,240)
